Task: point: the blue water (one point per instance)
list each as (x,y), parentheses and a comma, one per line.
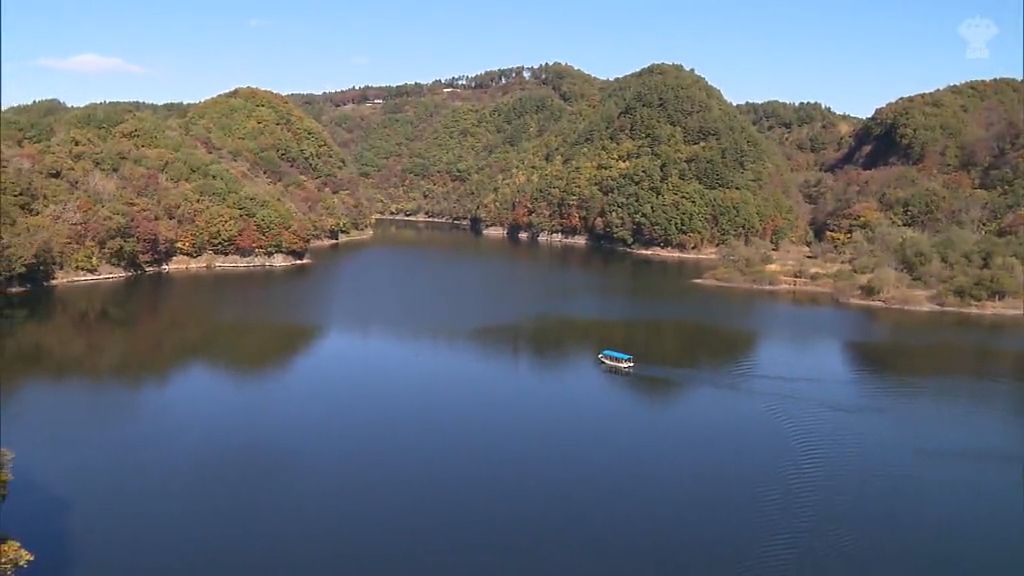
(428,402)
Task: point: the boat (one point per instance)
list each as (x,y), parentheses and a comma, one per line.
(615,359)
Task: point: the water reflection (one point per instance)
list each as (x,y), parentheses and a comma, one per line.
(1006,332)
(933,360)
(467,365)
(43,518)
(649,383)
(620,273)
(672,343)
(127,332)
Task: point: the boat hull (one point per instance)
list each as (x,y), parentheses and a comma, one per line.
(615,363)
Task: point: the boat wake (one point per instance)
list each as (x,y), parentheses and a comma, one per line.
(801,509)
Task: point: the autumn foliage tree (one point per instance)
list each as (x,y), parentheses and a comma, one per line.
(931,186)
(13,555)
(132,185)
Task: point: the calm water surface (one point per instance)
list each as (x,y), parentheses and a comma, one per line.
(428,402)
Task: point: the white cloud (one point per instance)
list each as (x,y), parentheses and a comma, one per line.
(256,22)
(90,64)
(359,60)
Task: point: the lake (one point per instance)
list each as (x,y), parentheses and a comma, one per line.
(429,402)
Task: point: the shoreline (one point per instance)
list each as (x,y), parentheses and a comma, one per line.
(579,240)
(556,238)
(428,219)
(181,264)
(357,235)
(709,255)
(206,262)
(821,290)
(765,288)
(214,262)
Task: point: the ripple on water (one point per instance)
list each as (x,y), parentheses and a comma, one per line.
(744,366)
(801,508)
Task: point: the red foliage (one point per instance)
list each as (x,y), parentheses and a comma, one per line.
(248,240)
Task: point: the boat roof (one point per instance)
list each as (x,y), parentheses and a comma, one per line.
(615,354)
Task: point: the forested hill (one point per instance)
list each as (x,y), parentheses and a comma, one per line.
(974,127)
(131,185)
(809,135)
(953,157)
(656,157)
(930,193)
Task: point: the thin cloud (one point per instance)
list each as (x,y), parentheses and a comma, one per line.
(256,22)
(359,60)
(90,64)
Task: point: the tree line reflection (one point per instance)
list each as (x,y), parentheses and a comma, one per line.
(931,360)
(125,332)
(664,342)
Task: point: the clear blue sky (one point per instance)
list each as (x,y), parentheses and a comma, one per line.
(851,55)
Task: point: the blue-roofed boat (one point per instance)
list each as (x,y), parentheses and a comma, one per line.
(615,359)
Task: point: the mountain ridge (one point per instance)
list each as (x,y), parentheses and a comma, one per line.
(655,157)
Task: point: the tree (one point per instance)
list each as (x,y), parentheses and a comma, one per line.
(12,555)
(656,157)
